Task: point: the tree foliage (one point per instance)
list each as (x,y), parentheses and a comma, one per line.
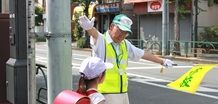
(39,15)
(210,34)
(185,6)
(78,31)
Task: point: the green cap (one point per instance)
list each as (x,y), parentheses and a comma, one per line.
(123,22)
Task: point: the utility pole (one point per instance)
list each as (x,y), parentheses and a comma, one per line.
(31,66)
(195,25)
(168,26)
(176,28)
(164,28)
(196,20)
(59,47)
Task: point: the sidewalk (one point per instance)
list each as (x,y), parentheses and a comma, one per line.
(198,60)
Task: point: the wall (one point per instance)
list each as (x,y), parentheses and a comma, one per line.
(4,53)
(152,24)
(208,17)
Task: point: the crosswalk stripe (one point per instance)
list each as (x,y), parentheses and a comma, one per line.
(205,89)
(157,67)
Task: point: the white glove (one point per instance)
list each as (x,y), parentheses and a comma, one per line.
(168,63)
(85,23)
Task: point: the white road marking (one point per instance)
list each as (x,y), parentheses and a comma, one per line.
(75,67)
(157,67)
(41,59)
(205,89)
(202,89)
(75,64)
(163,86)
(42,50)
(147,79)
(78,59)
(143,63)
(80,55)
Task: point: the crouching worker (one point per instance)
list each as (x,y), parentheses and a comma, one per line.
(92,72)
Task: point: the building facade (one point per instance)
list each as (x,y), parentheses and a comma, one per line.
(148,22)
(208,17)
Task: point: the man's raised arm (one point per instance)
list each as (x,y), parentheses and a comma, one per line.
(87,25)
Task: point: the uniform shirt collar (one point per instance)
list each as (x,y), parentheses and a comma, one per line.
(109,39)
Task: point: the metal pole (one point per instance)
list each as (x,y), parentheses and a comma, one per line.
(31,70)
(164,28)
(59,48)
(168,28)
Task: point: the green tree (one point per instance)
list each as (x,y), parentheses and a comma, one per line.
(210,3)
(182,7)
(84,3)
(39,15)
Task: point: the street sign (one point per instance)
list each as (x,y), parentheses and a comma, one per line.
(155,6)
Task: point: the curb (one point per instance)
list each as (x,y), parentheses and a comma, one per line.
(193,59)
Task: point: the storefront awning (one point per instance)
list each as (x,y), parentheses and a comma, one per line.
(136,1)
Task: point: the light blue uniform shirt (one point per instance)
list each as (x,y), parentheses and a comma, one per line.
(134,53)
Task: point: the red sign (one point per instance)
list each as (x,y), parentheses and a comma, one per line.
(155,5)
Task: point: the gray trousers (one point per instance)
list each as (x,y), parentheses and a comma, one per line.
(116,98)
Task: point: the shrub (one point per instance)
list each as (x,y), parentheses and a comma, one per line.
(81,42)
(209,34)
(40,39)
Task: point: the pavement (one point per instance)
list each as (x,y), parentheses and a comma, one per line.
(203,59)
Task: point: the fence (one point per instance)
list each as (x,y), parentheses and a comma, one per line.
(194,48)
(152,46)
(183,48)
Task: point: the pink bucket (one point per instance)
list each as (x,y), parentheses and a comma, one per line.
(71,97)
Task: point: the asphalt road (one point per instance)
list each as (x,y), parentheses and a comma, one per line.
(146,84)
(146,93)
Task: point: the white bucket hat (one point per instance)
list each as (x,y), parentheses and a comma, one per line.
(123,22)
(92,67)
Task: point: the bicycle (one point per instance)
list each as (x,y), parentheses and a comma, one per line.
(151,44)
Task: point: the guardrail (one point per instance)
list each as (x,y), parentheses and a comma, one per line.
(152,46)
(193,48)
(184,48)
(136,42)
